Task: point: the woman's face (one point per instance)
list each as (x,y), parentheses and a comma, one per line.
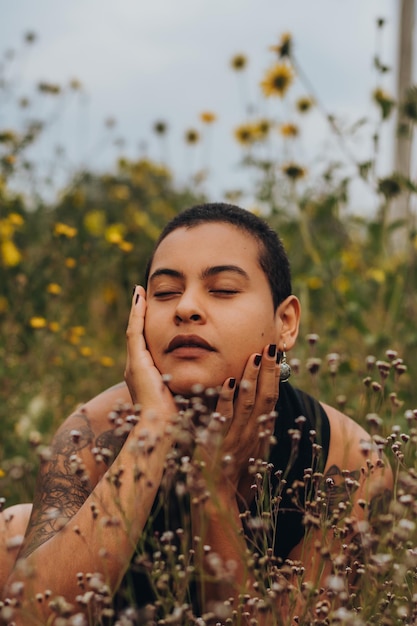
(209,306)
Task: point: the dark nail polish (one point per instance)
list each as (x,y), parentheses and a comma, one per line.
(257,359)
(137,298)
(272,349)
(134,289)
(232,383)
(279,356)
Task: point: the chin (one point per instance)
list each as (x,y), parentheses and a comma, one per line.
(187,388)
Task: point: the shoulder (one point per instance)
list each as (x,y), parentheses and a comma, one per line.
(91,432)
(96,412)
(352,449)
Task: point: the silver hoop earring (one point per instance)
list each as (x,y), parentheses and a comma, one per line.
(284,368)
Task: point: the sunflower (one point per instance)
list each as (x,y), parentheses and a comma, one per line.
(191,136)
(277,80)
(245,134)
(239,62)
(207,117)
(304,104)
(284,46)
(293,171)
(289,130)
(261,129)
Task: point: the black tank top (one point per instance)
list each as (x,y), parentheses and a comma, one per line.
(302,434)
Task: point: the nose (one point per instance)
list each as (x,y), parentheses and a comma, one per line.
(189,309)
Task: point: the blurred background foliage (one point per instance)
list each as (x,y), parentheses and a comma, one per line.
(68,262)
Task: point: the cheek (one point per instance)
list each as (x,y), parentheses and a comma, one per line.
(149,332)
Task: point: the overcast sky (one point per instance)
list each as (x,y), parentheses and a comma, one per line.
(143,60)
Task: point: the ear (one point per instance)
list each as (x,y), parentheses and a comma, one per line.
(287,320)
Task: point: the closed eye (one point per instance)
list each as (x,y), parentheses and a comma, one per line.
(166,294)
(225,292)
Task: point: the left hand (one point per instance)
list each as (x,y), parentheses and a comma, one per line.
(242,425)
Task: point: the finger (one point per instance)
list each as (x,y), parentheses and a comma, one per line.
(268,382)
(244,402)
(224,407)
(134,332)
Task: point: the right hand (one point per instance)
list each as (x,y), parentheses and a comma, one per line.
(143,379)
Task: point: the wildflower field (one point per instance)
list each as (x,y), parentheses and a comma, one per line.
(68,265)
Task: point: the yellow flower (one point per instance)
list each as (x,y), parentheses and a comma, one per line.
(70,262)
(16,219)
(77,330)
(54,289)
(115,233)
(341,284)
(120,192)
(6,229)
(277,80)
(9,253)
(191,136)
(95,222)
(314,282)
(239,62)
(141,218)
(304,104)
(207,117)
(86,351)
(284,47)
(65,230)
(54,327)
(245,134)
(350,259)
(110,294)
(37,322)
(261,129)
(376,274)
(126,246)
(293,171)
(107,361)
(289,130)
(2,473)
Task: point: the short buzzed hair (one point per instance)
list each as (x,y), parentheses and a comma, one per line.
(273,258)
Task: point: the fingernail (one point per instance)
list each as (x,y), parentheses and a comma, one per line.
(257,359)
(134,289)
(232,382)
(279,356)
(137,298)
(272,349)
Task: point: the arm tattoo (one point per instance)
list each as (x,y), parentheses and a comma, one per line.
(64,484)
(339,486)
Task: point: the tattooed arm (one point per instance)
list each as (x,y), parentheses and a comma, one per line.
(95,491)
(69,470)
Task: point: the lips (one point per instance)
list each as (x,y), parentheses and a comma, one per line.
(189,341)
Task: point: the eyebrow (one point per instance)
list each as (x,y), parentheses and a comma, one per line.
(206,273)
